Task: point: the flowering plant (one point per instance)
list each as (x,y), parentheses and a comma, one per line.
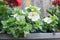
(55,13)
(33,17)
(20,23)
(50,23)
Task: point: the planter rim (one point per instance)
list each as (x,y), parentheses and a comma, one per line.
(34,36)
(44,35)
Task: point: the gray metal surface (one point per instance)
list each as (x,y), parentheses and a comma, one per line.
(41,36)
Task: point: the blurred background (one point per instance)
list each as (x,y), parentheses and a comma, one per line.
(43,4)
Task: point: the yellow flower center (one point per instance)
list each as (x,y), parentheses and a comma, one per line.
(33,14)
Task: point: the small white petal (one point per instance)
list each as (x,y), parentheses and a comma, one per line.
(18,18)
(39,8)
(34,19)
(26,7)
(29,17)
(23,12)
(22,17)
(15,15)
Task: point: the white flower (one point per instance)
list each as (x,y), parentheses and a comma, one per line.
(39,8)
(15,15)
(22,17)
(33,16)
(26,7)
(47,20)
(18,17)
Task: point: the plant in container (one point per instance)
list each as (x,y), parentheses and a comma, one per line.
(55,10)
(20,23)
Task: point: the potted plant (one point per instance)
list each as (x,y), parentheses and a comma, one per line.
(18,23)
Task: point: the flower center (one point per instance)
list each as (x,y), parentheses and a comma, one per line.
(33,14)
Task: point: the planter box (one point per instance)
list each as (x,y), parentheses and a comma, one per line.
(42,36)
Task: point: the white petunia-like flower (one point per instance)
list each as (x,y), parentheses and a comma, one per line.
(47,20)
(18,17)
(33,16)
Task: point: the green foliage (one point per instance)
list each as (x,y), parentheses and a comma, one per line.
(16,22)
(33,9)
(15,28)
(52,11)
(51,26)
(18,11)
(55,15)
(3,13)
(2,2)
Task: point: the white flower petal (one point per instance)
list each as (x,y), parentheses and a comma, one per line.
(26,7)
(15,15)
(39,8)
(23,12)
(18,18)
(35,17)
(29,17)
(22,17)
(47,20)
